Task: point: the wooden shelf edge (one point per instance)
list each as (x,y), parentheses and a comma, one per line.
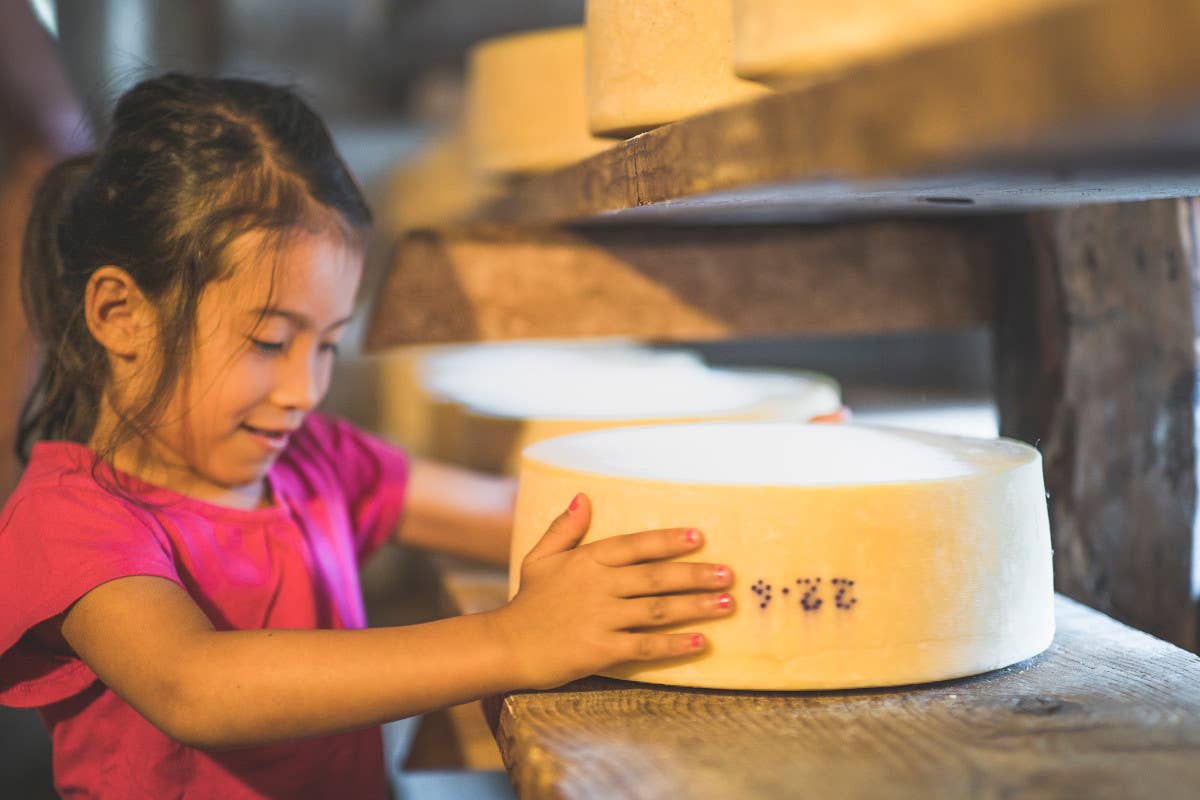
(677,284)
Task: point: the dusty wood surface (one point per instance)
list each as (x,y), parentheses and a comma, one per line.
(493,283)
(1106,712)
(1093,101)
(1097,365)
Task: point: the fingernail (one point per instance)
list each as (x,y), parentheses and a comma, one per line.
(697,641)
(574,503)
(721,573)
(725,601)
(693,535)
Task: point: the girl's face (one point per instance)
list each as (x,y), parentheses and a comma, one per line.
(266,338)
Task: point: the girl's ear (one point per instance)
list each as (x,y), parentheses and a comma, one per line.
(118,314)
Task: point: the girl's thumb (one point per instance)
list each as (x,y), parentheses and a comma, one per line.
(566,530)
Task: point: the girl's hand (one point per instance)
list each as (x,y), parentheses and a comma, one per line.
(579,610)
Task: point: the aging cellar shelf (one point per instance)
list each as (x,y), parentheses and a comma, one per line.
(1092,102)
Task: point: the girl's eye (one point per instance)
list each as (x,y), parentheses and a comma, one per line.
(267,347)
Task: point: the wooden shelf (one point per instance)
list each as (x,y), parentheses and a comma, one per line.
(1064,697)
(1106,711)
(1098,101)
(670,284)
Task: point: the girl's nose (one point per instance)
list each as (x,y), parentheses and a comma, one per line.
(302,382)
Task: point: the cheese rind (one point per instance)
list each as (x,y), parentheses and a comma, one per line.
(526,106)
(946,541)
(436,186)
(790,42)
(650,62)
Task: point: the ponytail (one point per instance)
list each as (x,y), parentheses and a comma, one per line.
(65,398)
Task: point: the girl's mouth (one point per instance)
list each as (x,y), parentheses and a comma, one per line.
(272,440)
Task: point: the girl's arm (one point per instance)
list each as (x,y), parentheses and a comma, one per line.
(580,609)
(457,511)
(151,644)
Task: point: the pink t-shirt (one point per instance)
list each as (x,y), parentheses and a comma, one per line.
(338,495)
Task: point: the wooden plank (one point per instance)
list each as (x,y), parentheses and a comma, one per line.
(1095,101)
(1106,712)
(1096,363)
(492,283)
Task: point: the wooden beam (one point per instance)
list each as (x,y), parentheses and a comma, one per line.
(490,283)
(1097,366)
(1096,100)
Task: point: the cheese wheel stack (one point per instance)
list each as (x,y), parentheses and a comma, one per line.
(862,556)
(650,62)
(526,106)
(790,42)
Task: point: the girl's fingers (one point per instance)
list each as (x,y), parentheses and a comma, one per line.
(652,646)
(634,548)
(652,612)
(665,577)
(565,531)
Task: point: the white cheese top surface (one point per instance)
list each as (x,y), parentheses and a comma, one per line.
(788,454)
(527,381)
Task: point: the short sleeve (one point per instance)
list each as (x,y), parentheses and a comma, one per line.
(372,474)
(56,545)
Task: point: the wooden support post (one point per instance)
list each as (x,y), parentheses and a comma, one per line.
(1097,366)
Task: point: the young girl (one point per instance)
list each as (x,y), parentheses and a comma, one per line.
(179,564)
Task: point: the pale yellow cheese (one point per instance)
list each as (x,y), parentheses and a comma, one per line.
(435,187)
(400,393)
(493,442)
(526,107)
(650,62)
(889,556)
(501,399)
(378,392)
(789,42)
(478,405)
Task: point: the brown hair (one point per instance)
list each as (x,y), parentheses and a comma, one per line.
(191,164)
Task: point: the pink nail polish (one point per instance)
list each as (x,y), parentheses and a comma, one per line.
(721,573)
(725,601)
(697,641)
(574,503)
(693,535)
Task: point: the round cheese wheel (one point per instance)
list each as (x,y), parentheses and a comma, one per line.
(428,389)
(788,42)
(862,556)
(435,187)
(479,405)
(496,401)
(526,110)
(400,393)
(650,62)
